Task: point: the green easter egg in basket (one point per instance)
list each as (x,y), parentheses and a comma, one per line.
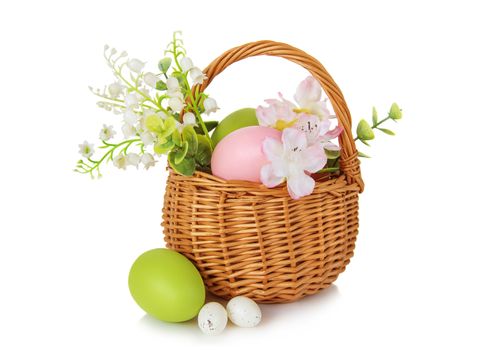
(234,121)
(166,285)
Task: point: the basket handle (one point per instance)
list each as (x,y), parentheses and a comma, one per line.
(349,162)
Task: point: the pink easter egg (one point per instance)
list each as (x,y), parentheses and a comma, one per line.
(239,155)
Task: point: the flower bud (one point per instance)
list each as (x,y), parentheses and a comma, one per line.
(135,65)
(120,161)
(210,105)
(128,130)
(176,103)
(172,84)
(189,119)
(131,100)
(395,112)
(197,75)
(150,79)
(133,159)
(130,117)
(148,160)
(147,138)
(186,64)
(164,64)
(364,131)
(115,89)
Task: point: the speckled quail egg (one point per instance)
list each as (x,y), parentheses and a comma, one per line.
(212,318)
(244,312)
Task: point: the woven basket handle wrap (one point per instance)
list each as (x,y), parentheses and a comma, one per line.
(349,162)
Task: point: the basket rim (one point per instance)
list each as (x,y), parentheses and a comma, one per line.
(334,183)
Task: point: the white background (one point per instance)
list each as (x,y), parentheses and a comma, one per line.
(67,243)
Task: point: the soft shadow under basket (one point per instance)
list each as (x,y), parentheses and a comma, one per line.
(246,239)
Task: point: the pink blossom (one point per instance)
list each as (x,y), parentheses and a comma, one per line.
(278,114)
(292,160)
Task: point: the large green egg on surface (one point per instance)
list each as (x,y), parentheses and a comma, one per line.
(236,120)
(166,285)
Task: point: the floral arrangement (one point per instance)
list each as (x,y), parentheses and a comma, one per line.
(162,114)
(151,105)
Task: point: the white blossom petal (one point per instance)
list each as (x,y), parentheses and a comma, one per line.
(86,149)
(313,158)
(210,105)
(308,92)
(300,185)
(128,130)
(115,89)
(189,119)
(147,138)
(272,149)
(278,114)
(176,104)
(150,79)
(197,75)
(186,64)
(148,160)
(120,161)
(268,177)
(135,65)
(131,100)
(133,159)
(294,140)
(107,132)
(130,117)
(172,84)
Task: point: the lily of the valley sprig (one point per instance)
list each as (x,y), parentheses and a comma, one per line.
(150,105)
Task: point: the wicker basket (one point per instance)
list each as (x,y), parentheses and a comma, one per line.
(246,239)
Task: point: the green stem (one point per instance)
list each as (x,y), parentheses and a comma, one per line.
(109,153)
(194,104)
(194,107)
(328,170)
(117,72)
(175,52)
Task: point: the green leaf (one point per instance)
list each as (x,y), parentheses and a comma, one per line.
(154,123)
(189,135)
(169,127)
(164,64)
(361,154)
(364,130)
(185,167)
(365,142)
(328,170)
(387,131)
(179,77)
(176,138)
(163,148)
(374,116)
(333,163)
(204,151)
(161,85)
(210,125)
(330,154)
(181,153)
(395,112)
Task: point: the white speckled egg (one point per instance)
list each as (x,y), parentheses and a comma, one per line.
(244,312)
(212,318)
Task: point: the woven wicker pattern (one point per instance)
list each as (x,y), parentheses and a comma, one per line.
(249,240)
